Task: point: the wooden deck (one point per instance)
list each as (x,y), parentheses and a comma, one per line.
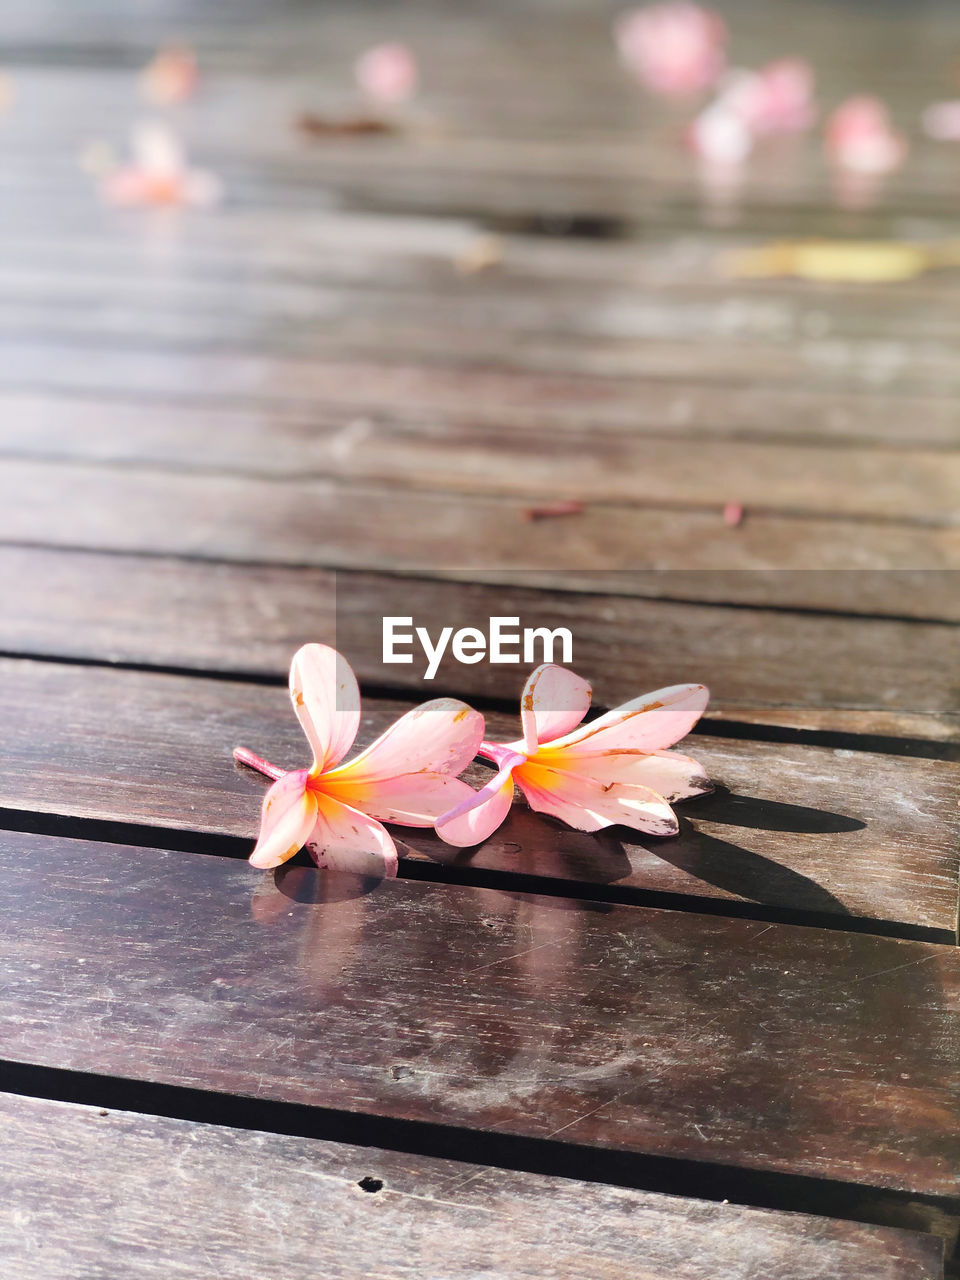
(225,432)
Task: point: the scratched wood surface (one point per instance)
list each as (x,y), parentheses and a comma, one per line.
(165,1197)
(767,1047)
(227,432)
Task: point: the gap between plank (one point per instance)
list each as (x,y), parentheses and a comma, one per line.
(548,1156)
(142,836)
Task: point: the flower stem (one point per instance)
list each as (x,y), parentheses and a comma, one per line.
(252,761)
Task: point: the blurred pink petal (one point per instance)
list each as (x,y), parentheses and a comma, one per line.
(408,775)
(673,48)
(941,120)
(733,514)
(861,139)
(158,174)
(601,773)
(776,99)
(387,73)
(170,77)
(720,137)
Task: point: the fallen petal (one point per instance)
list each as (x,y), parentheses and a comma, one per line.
(344,839)
(673,48)
(326,698)
(669,773)
(587,804)
(479,814)
(553,703)
(649,723)
(286,820)
(413,799)
(441,736)
(387,73)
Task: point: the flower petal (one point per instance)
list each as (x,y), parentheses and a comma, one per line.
(554,701)
(344,839)
(441,736)
(480,813)
(326,698)
(670,774)
(586,804)
(286,819)
(414,799)
(649,723)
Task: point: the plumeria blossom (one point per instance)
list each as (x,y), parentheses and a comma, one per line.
(170,77)
(674,48)
(408,776)
(387,73)
(158,174)
(861,139)
(616,769)
(776,99)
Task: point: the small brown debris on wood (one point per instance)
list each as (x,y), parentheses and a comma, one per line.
(315,126)
(568,507)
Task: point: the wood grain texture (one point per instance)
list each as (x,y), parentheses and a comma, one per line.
(615,469)
(765,666)
(355,525)
(836,834)
(86,1192)
(760,1046)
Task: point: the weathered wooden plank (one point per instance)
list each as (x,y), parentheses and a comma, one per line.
(656,1033)
(341,524)
(764,666)
(86,1192)
(837,835)
(920,485)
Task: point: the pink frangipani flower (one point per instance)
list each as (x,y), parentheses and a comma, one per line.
(861,139)
(613,770)
(408,776)
(159,175)
(672,48)
(776,99)
(387,73)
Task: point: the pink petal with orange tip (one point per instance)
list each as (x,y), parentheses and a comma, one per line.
(344,839)
(441,736)
(553,703)
(672,48)
(587,804)
(669,773)
(286,820)
(326,698)
(649,723)
(479,814)
(387,73)
(413,799)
